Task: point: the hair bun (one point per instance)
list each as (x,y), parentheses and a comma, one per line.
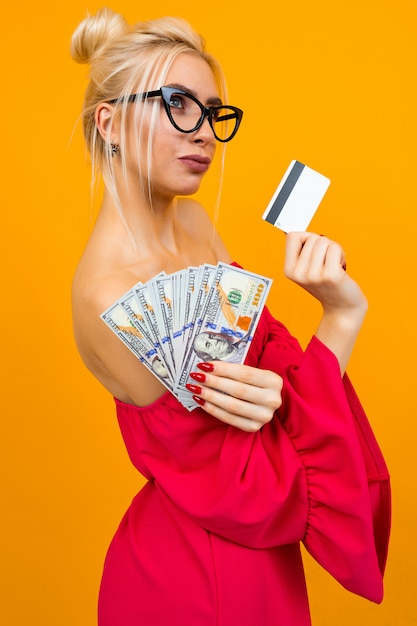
(95,32)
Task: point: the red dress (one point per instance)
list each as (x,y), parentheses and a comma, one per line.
(213,538)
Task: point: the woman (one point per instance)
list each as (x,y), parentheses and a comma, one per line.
(280,451)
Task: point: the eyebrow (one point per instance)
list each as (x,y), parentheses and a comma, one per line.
(215,100)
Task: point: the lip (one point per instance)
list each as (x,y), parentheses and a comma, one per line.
(196,162)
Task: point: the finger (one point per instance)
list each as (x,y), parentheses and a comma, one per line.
(299,249)
(242,382)
(336,257)
(240,395)
(233,393)
(220,390)
(295,242)
(310,259)
(238,372)
(236,412)
(325,264)
(318,257)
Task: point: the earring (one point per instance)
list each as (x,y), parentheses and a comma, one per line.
(114,149)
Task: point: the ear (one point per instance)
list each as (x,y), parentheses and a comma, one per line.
(106,123)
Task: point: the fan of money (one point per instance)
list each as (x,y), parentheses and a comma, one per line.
(174,321)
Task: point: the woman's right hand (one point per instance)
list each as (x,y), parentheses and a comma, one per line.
(239,395)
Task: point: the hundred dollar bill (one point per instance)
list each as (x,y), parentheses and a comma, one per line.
(200,281)
(144,294)
(200,313)
(177,284)
(120,323)
(231,314)
(160,293)
(132,306)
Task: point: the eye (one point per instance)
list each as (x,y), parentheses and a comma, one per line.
(177,101)
(215,113)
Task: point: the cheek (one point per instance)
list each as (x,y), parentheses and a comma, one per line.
(137,129)
(136,144)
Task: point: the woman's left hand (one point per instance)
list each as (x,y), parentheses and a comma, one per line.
(319,266)
(239,395)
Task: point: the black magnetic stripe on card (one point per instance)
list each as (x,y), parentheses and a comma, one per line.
(285,192)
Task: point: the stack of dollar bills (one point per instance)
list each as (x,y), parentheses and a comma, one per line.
(175,321)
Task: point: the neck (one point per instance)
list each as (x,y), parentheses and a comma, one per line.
(148,227)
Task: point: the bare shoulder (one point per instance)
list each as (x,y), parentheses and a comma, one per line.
(94,289)
(192,210)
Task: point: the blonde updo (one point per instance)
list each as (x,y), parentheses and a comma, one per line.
(126,59)
(94,32)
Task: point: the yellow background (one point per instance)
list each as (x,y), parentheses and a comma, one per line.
(331,84)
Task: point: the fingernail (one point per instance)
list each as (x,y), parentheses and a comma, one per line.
(193,388)
(199,400)
(201,378)
(206,367)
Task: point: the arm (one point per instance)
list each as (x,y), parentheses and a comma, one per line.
(318,265)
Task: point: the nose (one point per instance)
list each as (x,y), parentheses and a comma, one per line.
(204,133)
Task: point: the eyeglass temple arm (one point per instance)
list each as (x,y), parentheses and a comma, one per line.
(229,116)
(136,96)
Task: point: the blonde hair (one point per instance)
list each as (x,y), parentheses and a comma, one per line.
(124,59)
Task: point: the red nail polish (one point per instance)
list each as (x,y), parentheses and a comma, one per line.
(201,378)
(206,367)
(199,400)
(193,388)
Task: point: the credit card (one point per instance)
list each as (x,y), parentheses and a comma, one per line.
(296,198)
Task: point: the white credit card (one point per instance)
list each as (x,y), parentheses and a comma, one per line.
(296,199)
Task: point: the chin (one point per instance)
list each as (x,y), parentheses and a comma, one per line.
(183,187)
(189,190)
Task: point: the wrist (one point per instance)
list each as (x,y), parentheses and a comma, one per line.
(346,318)
(339,328)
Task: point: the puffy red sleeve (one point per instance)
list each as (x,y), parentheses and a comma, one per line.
(313,474)
(348,482)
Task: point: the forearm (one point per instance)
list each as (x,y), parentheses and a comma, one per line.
(338,330)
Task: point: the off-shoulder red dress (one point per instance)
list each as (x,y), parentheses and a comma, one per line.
(213,538)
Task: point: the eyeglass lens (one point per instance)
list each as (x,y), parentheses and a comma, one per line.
(186,114)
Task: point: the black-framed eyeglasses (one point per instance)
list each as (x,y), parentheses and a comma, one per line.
(187,114)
